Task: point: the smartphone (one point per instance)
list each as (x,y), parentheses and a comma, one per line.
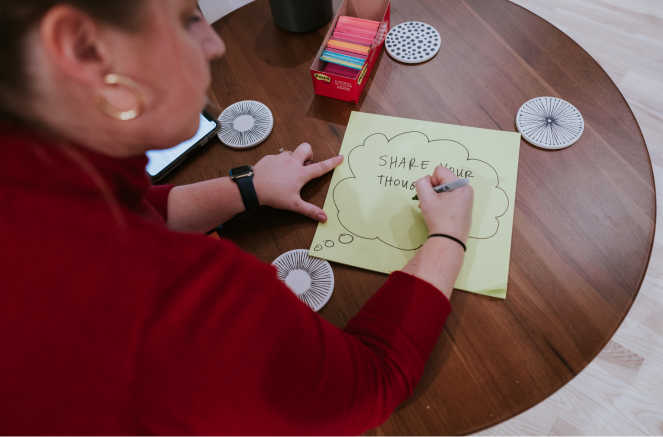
(162,162)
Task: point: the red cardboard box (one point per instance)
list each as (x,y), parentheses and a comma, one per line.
(346,87)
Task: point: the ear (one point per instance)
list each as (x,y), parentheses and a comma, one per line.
(72,42)
(81,51)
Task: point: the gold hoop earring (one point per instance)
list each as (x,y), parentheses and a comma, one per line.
(117,79)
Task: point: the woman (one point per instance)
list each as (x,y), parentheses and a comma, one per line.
(114,317)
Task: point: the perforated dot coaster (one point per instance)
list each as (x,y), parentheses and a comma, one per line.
(245,124)
(311,279)
(412,42)
(550,123)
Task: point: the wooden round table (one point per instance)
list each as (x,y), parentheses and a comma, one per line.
(584,216)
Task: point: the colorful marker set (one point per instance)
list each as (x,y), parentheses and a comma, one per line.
(350,42)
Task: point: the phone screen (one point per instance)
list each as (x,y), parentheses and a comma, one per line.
(160,159)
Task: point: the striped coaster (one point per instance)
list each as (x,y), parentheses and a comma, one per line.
(245,124)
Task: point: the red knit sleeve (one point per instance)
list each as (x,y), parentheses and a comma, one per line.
(157,196)
(229,349)
(408,306)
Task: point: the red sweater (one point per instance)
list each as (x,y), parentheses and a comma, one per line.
(112,324)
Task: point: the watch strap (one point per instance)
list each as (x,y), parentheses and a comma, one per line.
(248,192)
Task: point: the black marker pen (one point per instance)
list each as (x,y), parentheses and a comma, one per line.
(448,187)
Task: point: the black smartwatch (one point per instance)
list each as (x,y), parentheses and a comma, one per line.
(244,177)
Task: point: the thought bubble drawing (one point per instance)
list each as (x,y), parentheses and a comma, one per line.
(376,203)
(346,238)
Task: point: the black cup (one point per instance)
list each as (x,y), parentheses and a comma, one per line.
(301,15)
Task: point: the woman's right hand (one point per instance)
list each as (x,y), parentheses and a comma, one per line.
(447,213)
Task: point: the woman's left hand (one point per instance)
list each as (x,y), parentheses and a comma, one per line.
(278,180)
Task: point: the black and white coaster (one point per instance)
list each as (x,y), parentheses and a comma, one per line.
(245,124)
(412,42)
(311,279)
(550,123)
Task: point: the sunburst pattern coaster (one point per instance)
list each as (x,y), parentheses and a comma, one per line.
(412,42)
(311,279)
(550,123)
(245,124)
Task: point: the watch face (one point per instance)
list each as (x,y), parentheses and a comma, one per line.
(241,171)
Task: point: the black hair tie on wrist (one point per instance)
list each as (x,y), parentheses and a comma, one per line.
(450,238)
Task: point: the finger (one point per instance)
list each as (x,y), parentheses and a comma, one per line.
(319,168)
(424,187)
(442,175)
(303,153)
(311,211)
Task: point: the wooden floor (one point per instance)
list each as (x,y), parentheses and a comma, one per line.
(621,391)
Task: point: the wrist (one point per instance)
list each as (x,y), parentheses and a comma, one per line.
(243,177)
(451,231)
(235,202)
(451,238)
(445,245)
(258,183)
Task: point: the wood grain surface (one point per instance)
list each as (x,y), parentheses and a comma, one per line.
(584,216)
(626,38)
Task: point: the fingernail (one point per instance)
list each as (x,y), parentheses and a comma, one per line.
(322,218)
(340,157)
